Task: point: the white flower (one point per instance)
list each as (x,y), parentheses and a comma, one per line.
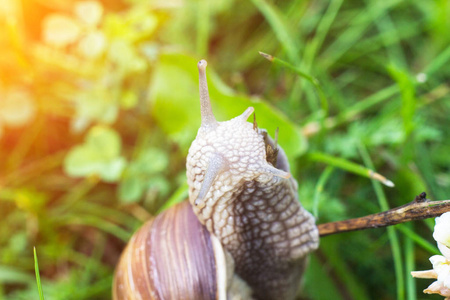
(441,263)
(438,288)
(442,230)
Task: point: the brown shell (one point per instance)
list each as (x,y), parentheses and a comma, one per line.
(169,257)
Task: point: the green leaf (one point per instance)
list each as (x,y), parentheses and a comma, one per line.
(152,161)
(124,55)
(131,189)
(141,174)
(105,140)
(95,104)
(98,155)
(112,171)
(176,110)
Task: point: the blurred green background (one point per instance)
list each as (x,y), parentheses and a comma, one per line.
(99,104)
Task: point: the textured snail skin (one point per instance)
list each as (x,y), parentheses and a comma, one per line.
(251,206)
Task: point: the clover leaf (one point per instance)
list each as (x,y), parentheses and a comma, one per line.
(143,174)
(98,155)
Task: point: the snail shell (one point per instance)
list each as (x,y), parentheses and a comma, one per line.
(173,256)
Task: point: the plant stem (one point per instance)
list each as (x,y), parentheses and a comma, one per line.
(419,209)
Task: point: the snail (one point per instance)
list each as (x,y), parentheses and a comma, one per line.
(244,234)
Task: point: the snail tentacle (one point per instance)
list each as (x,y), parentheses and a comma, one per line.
(216,165)
(208,119)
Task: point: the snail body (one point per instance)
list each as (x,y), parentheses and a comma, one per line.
(241,191)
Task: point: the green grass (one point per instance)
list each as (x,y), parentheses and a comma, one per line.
(392,233)
(343,74)
(38,276)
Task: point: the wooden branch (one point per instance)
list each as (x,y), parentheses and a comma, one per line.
(419,209)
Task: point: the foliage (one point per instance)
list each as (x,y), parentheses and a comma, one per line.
(98,155)
(99,103)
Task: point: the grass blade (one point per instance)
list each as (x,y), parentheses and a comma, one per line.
(354,32)
(325,24)
(349,166)
(420,241)
(311,79)
(323,28)
(410,266)
(38,277)
(366,103)
(280,28)
(438,62)
(393,238)
(353,112)
(390,39)
(319,188)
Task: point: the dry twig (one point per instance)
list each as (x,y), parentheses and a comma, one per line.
(419,209)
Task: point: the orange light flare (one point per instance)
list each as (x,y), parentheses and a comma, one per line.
(33,93)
